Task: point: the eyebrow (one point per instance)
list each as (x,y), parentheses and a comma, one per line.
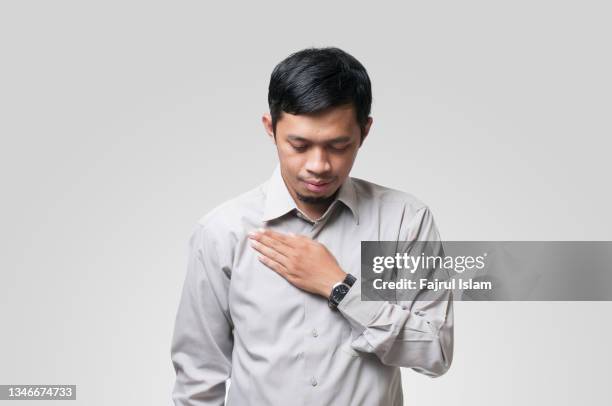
(342,138)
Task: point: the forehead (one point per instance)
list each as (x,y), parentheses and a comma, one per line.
(327,124)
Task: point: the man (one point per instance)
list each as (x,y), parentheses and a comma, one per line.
(272,293)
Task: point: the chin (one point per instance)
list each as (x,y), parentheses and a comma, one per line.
(314,195)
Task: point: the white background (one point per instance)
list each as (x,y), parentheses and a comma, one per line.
(123,122)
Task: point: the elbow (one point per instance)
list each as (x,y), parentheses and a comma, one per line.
(434,369)
(438,369)
(440,363)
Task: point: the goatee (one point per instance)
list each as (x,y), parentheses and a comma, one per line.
(318,200)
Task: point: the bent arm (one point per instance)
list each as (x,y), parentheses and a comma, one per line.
(415,334)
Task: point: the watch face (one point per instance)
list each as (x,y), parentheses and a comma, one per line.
(339,292)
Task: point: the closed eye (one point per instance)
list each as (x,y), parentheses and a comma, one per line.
(339,148)
(299,148)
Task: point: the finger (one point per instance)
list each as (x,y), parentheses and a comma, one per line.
(269,241)
(269,252)
(287,239)
(272,264)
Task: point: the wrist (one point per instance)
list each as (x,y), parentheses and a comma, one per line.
(337,276)
(340,290)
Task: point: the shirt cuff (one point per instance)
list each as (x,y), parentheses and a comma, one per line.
(359,313)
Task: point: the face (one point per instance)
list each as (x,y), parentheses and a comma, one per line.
(316,153)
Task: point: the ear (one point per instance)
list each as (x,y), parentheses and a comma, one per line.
(366,130)
(266,119)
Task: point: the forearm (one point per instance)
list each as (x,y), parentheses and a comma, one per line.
(417,335)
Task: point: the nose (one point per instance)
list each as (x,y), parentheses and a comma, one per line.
(318,161)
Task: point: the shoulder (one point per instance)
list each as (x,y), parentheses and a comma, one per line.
(234,215)
(403,215)
(218,232)
(386,197)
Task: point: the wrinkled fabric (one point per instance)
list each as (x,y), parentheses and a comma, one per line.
(278,345)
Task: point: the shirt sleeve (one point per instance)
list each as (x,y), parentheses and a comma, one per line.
(202,341)
(413,334)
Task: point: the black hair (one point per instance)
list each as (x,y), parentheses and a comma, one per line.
(314,79)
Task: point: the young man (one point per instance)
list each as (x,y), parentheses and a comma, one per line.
(272,293)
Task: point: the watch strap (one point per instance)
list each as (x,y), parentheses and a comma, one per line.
(348,281)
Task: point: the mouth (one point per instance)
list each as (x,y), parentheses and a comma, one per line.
(317,186)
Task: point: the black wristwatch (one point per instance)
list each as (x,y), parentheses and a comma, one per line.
(339,290)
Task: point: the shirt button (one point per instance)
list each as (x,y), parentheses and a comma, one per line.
(314,332)
(313,381)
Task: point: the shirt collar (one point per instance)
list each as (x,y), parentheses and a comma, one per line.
(278,200)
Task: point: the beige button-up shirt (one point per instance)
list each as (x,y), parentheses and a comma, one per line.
(283,346)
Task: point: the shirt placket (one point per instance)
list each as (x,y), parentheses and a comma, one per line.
(310,331)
